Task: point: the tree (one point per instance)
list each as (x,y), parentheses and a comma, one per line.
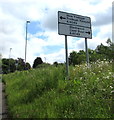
(5,65)
(21,64)
(81,57)
(105,52)
(8,65)
(28,66)
(111,49)
(73,58)
(55,63)
(12,65)
(37,62)
(109,42)
(101,52)
(77,58)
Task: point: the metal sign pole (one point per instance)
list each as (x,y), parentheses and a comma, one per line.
(87,55)
(67,63)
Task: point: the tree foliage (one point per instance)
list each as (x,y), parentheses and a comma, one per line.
(55,63)
(37,62)
(101,52)
(11,65)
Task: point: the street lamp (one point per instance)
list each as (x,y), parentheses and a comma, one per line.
(45,59)
(26,40)
(9,58)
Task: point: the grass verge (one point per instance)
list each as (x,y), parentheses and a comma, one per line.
(45,93)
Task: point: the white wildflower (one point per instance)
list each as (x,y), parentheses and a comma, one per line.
(74,69)
(85,72)
(93,73)
(111,87)
(110,73)
(81,78)
(107,77)
(112,91)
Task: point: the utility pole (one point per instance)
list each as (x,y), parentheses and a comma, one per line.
(26,40)
(9,58)
(45,59)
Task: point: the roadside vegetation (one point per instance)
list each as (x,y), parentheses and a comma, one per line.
(75,58)
(44,92)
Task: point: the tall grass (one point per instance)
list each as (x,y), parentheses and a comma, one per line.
(45,93)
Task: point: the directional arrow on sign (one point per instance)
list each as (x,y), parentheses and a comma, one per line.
(62,17)
(87,32)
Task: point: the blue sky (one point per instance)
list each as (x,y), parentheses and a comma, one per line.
(43,38)
(34,27)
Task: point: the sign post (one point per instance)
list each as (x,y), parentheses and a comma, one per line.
(87,55)
(67,61)
(74,25)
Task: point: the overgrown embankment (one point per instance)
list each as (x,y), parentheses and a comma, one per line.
(44,92)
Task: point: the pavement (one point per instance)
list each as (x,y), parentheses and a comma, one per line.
(3,107)
(0,100)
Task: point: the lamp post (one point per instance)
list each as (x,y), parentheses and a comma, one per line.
(9,58)
(45,59)
(26,40)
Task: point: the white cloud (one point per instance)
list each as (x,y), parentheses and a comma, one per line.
(59,56)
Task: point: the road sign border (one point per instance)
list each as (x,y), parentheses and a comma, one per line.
(74,25)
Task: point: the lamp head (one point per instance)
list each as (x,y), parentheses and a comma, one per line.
(28,21)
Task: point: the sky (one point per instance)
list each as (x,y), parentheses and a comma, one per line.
(43,38)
